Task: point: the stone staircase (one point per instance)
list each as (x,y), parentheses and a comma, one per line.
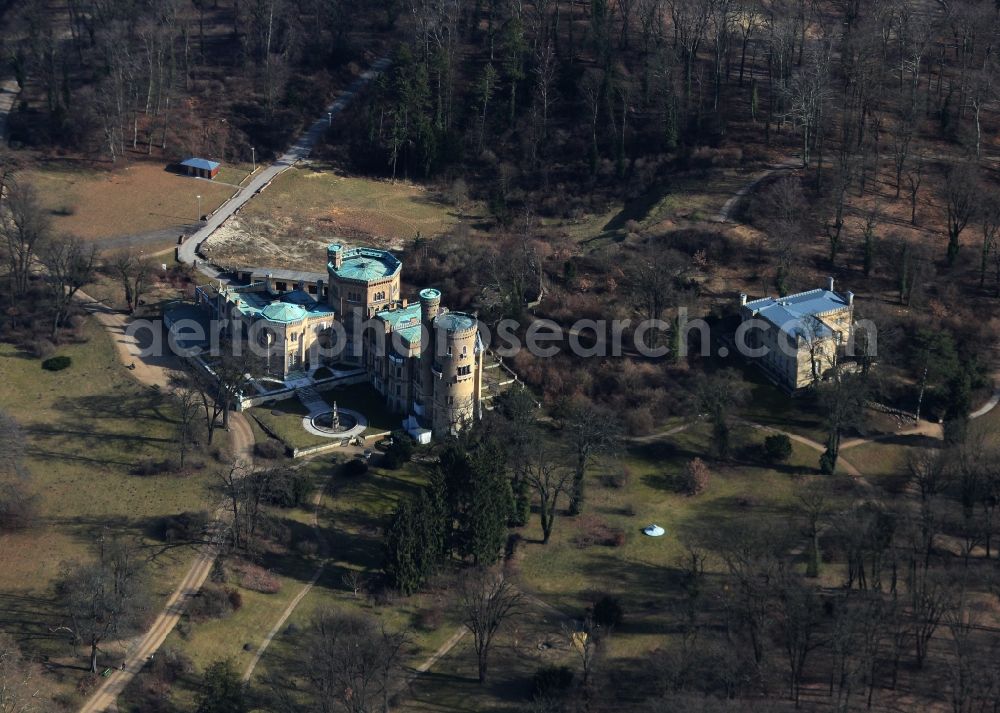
(312,400)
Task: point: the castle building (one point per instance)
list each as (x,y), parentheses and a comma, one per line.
(426,362)
(799,337)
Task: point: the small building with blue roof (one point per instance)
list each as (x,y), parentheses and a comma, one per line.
(200,167)
(796,339)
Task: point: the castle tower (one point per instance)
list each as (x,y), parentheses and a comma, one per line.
(334,261)
(456,372)
(430,305)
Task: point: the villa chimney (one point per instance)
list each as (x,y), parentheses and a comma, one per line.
(850,298)
(405,302)
(830,284)
(743,299)
(319,290)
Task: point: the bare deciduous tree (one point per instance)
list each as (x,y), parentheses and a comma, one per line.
(133,274)
(486,600)
(25,228)
(104,599)
(550,481)
(187,402)
(18,691)
(961,195)
(989,222)
(589,432)
(352,665)
(71,265)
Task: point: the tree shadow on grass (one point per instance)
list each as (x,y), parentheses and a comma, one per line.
(362,551)
(147,405)
(29,617)
(50,455)
(914,440)
(288,563)
(89,424)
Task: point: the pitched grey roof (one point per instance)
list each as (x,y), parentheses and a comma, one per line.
(796,315)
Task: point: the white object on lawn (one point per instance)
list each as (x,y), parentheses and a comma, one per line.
(654,531)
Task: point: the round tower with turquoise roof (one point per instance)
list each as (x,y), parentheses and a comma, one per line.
(364,280)
(456,372)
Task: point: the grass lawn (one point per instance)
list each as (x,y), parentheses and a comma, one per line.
(86,428)
(284,418)
(770,406)
(568,572)
(686,198)
(352,515)
(292,221)
(238,635)
(351,205)
(537,639)
(884,462)
(138,198)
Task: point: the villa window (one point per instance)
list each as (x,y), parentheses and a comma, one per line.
(464,370)
(295,337)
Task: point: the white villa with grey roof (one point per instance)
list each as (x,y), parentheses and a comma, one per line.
(798,338)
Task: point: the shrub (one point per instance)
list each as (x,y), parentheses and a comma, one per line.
(218,573)
(269,449)
(182,527)
(42,348)
(57,363)
(619,479)
(235,599)
(400,452)
(307,548)
(778,448)
(607,612)
(595,531)
(694,478)
(288,488)
(151,466)
(551,681)
(211,602)
(169,665)
(430,619)
(639,421)
(356,466)
(258,579)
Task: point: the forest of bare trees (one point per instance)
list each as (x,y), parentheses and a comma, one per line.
(124,79)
